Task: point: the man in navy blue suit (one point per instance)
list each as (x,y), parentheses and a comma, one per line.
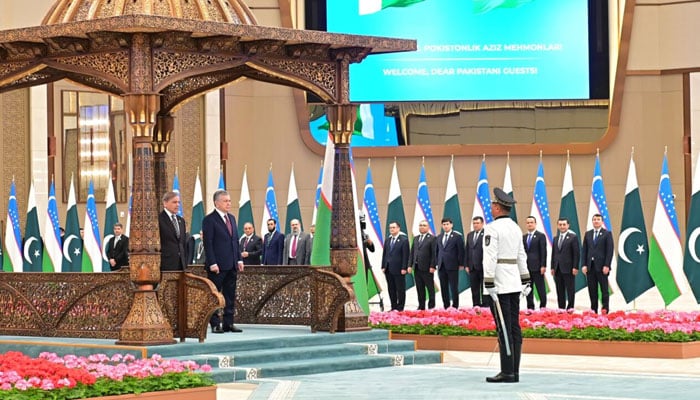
(273,245)
(474,260)
(395,265)
(449,254)
(535,243)
(222,257)
(597,256)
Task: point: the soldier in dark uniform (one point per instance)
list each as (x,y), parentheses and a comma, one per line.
(505,277)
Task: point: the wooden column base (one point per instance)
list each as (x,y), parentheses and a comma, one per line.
(145,325)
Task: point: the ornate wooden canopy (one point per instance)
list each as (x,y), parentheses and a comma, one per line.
(156,54)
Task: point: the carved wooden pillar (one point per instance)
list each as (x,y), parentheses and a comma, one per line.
(161,139)
(145,324)
(343,234)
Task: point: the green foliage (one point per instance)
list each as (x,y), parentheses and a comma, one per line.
(588,333)
(110,387)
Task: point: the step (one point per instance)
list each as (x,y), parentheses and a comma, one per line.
(255,357)
(307,367)
(236,344)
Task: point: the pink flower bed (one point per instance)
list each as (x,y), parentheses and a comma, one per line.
(480,319)
(49,371)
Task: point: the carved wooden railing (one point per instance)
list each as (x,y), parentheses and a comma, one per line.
(289,295)
(95,305)
(85,305)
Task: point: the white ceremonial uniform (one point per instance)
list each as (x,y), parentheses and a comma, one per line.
(505,261)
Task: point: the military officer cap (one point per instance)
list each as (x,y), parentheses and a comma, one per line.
(502,198)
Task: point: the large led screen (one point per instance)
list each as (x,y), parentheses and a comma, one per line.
(469,49)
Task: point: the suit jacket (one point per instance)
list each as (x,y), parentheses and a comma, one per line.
(422,255)
(273,248)
(598,254)
(536,251)
(474,252)
(173,249)
(303,249)
(568,257)
(395,259)
(220,246)
(119,252)
(451,255)
(253,247)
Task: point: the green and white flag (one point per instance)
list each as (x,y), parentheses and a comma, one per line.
(691,261)
(665,251)
(373,6)
(633,247)
(92,259)
(33,246)
(453,211)
(293,210)
(196,221)
(53,257)
(321,250)
(245,208)
(111,218)
(72,242)
(12,258)
(508,188)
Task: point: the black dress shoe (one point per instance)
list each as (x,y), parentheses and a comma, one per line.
(501,377)
(233,329)
(217,329)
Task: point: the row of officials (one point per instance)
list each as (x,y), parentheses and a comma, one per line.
(220,249)
(448,253)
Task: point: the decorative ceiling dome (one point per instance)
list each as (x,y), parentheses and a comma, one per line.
(231,11)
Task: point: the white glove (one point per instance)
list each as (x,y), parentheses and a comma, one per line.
(526,290)
(493,292)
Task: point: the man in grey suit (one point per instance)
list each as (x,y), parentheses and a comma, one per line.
(449,253)
(422,264)
(565,261)
(297,246)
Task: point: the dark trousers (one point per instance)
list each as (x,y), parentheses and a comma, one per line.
(510,305)
(225,282)
(424,282)
(476,282)
(449,280)
(539,286)
(397,290)
(565,289)
(596,280)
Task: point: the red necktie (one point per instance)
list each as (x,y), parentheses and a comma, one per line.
(228,225)
(294,246)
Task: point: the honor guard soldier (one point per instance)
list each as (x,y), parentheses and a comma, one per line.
(505,277)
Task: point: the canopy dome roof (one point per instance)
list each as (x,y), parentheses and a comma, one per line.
(231,11)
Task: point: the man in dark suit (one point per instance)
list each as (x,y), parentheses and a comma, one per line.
(395,265)
(566,253)
(173,240)
(297,246)
(222,258)
(422,264)
(597,256)
(118,249)
(251,245)
(273,245)
(474,260)
(449,253)
(535,243)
